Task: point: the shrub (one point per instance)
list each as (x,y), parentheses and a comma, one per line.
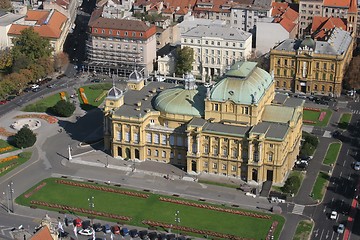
(311,139)
(24,138)
(292,184)
(63,108)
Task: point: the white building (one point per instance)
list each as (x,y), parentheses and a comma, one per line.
(116,8)
(191,22)
(216,48)
(6,20)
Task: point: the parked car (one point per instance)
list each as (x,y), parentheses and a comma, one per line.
(124,232)
(161,236)
(97,227)
(143,234)
(86,224)
(95,80)
(86,232)
(28,89)
(36,89)
(51,85)
(107,228)
(336,134)
(77,222)
(2,102)
(115,229)
(34,86)
(11,97)
(357,166)
(301,166)
(152,235)
(333,215)
(133,233)
(341,228)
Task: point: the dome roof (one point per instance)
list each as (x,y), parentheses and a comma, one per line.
(114,92)
(181,101)
(308,42)
(135,76)
(245,83)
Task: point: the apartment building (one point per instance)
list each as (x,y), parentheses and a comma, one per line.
(116,46)
(6,20)
(307,10)
(216,48)
(312,67)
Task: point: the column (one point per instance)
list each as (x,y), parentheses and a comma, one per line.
(239,146)
(260,147)
(250,152)
(189,143)
(197,144)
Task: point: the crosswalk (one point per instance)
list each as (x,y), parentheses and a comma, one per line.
(298,209)
(355,111)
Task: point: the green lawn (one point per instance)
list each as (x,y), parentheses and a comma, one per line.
(344,120)
(319,186)
(314,116)
(332,153)
(92,92)
(4,144)
(151,208)
(303,230)
(43,104)
(23,157)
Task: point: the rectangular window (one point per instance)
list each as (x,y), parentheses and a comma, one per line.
(136,137)
(119,136)
(205,164)
(206,149)
(148,138)
(270,158)
(156,138)
(233,168)
(156,153)
(163,139)
(179,141)
(234,153)
(216,107)
(223,167)
(127,136)
(148,152)
(172,140)
(215,150)
(163,154)
(179,156)
(245,110)
(215,166)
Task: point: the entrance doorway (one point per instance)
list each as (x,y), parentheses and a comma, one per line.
(128,153)
(269,175)
(254,175)
(303,87)
(137,154)
(193,166)
(119,151)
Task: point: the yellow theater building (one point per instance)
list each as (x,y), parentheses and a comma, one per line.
(239,127)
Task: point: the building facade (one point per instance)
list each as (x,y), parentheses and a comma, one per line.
(239,128)
(6,20)
(115,46)
(216,48)
(312,67)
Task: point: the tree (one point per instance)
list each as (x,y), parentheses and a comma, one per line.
(185,58)
(5,59)
(31,45)
(292,184)
(24,138)
(63,108)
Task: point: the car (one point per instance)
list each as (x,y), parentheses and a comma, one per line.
(86,232)
(86,224)
(161,236)
(77,222)
(133,233)
(143,234)
(28,89)
(160,78)
(11,97)
(2,102)
(357,166)
(51,85)
(341,228)
(97,227)
(60,76)
(95,80)
(152,235)
(115,229)
(333,215)
(63,234)
(301,166)
(302,96)
(36,89)
(124,232)
(107,228)
(336,134)
(34,86)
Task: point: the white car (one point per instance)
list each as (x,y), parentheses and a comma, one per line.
(160,78)
(35,86)
(333,215)
(86,232)
(341,228)
(357,166)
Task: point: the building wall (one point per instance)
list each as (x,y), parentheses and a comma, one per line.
(318,74)
(308,9)
(265,39)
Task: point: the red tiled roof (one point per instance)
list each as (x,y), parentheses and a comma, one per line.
(42,234)
(50,29)
(353,6)
(214,6)
(170,6)
(337,3)
(284,15)
(321,26)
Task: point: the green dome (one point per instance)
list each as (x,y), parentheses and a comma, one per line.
(245,83)
(308,42)
(181,101)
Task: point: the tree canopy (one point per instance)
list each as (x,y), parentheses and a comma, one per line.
(31,45)
(63,108)
(185,58)
(24,137)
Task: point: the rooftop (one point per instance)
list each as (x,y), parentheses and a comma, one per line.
(322,26)
(225,32)
(7,18)
(276,131)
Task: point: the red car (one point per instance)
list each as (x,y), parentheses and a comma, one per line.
(78,222)
(2,102)
(116,229)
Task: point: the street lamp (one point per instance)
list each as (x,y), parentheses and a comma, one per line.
(11,191)
(91,205)
(7,200)
(177,221)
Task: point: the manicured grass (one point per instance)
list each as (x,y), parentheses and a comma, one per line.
(344,120)
(152,208)
(314,116)
(332,153)
(43,104)
(303,230)
(219,184)
(92,92)
(23,157)
(5,144)
(319,186)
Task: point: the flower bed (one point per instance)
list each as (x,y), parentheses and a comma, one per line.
(101,96)
(49,119)
(63,95)
(5,133)
(210,207)
(322,116)
(271,230)
(3,169)
(192,230)
(7,159)
(81,210)
(312,109)
(35,190)
(83,96)
(309,122)
(102,188)
(5,149)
